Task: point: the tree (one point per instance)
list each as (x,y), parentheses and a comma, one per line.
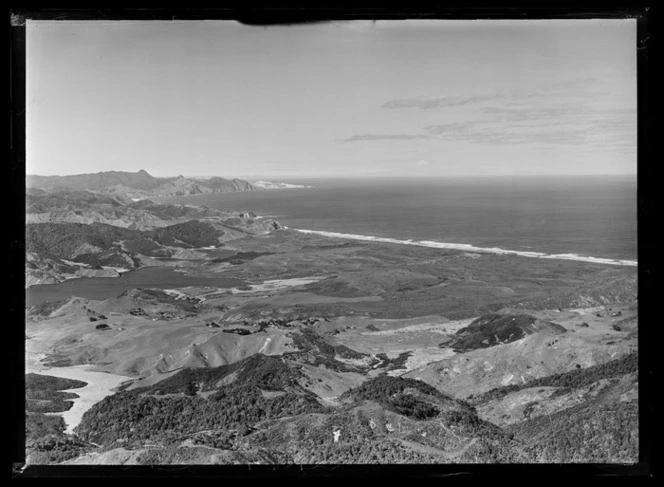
(190,388)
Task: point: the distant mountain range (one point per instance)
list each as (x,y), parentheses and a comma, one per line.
(138,185)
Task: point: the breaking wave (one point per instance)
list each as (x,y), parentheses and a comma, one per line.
(471,248)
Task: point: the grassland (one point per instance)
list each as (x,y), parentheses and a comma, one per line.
(346,335)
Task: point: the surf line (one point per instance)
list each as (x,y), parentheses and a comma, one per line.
(469,248)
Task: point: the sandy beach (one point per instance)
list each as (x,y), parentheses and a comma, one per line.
(99,385)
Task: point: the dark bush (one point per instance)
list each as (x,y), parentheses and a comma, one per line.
(569,380)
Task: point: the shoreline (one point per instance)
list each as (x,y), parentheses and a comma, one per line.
(469,248)
(98,386)
(103,287)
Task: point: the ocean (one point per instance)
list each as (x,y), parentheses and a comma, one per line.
(579,217)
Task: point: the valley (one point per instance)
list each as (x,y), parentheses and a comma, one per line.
(258,344)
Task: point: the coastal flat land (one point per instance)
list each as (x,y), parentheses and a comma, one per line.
(341,313)
(451,275)
(374,351)
(411,296)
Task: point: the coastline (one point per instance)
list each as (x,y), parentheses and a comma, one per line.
(98,385)
(469,248)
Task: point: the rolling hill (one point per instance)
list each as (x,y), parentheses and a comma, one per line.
(138,185)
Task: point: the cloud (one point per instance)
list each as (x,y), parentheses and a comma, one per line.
(581,113)
(586,87)
(366,137)
(453,128)
(424,103)
(423,162)
(595,122)
(558,132)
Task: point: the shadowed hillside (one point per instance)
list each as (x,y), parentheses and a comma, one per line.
(493,329)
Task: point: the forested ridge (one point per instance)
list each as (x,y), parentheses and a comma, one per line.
(573,379)
(177,407)
(256,408)
(64,240)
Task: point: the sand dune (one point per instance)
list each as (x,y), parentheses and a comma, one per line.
(99,385)
(471,248)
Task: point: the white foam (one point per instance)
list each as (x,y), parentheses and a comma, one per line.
(471,248)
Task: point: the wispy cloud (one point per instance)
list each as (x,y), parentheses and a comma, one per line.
(429,103)
(583,86)
(567,124)
(366,137)
(581,113)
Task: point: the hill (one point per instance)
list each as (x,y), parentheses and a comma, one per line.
(492,329)
(99,244)
(254,409)
(256,405)
(77,233)
(227,397)
(283,347)
(82,206)
(138,185)
(95,182)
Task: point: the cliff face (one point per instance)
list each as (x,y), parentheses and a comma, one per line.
(139,185)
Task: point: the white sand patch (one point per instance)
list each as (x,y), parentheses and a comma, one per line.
(198,292)
(584,311)
(99,385)
(116,269)
(277,284)
(78,264)
(361,362)
(32,362)
(421,357)
(176,293)
(471,248)
(267,342)
(278,185)
(442,328)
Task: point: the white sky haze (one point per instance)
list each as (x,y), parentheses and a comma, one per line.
(360,98)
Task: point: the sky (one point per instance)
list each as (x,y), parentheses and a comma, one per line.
(417,98)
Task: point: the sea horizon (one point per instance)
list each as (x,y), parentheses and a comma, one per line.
(592,218)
